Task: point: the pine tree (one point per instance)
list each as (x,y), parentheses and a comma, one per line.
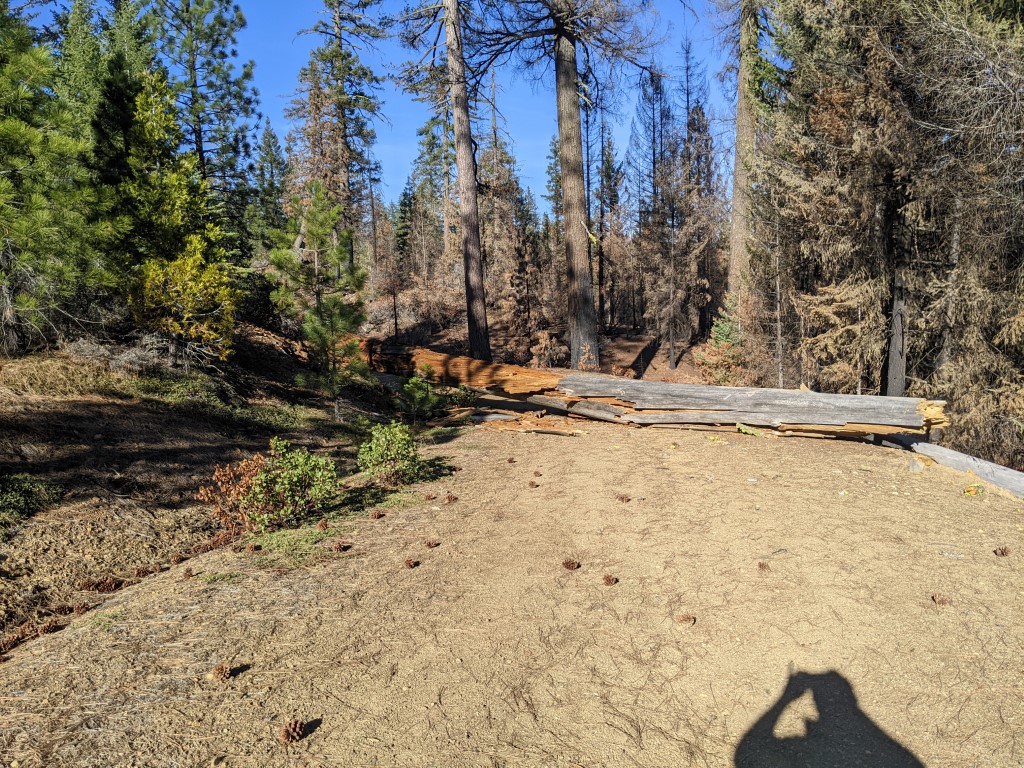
(130,33)
(78,61)
(46,265)
(335,106)
(215,99)
(266,214)
(560,32)
(316,287)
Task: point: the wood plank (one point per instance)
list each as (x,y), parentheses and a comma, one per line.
(598,411)
(1000,476)
(807,408)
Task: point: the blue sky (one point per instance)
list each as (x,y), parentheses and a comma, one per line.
(272,39)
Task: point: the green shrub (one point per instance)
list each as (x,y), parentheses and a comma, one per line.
(418,400)
(22,496)
(391,455)
(285,487)
(463,397)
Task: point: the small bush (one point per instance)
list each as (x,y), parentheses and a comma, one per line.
(285,487)
(462,397)
(22,496)
(391,455)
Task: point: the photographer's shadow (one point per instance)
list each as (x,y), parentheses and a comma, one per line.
(842,736)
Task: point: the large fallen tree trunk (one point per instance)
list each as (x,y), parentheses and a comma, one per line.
(629,401)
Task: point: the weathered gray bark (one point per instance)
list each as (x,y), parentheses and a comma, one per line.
(739,259)
(583,343)
(465,162)
(896,358)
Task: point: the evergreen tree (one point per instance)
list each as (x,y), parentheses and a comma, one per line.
(46,265)
(562,32)
(266,211)
(215,99)
(334,107)
(78,61)
(316,287)
(154,221)
(129,32)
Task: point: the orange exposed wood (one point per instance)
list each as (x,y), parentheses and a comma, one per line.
(452,369)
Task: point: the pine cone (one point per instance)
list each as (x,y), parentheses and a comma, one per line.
(570,565)
(291,732)
(221,673)
(322,525)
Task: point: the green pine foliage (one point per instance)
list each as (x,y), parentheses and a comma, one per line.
(45,262)
(317,288)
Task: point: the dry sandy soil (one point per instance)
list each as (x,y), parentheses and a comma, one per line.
(779,603)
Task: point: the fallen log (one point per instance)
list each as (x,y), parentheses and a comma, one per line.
(453,369)
(1003,477)
(639,402)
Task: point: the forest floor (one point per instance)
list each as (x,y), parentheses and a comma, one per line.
(769,602)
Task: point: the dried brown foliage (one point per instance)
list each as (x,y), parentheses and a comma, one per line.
(231,485)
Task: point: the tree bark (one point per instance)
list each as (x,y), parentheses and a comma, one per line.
(583,343)
(472,258)
(739,259)
(896,358)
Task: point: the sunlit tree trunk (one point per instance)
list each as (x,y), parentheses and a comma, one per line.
(476,308)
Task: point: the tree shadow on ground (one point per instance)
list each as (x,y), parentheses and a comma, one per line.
(842,736)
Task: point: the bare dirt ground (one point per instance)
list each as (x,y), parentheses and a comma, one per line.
(739,560)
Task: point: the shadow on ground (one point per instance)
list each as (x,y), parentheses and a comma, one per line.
(842,736)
